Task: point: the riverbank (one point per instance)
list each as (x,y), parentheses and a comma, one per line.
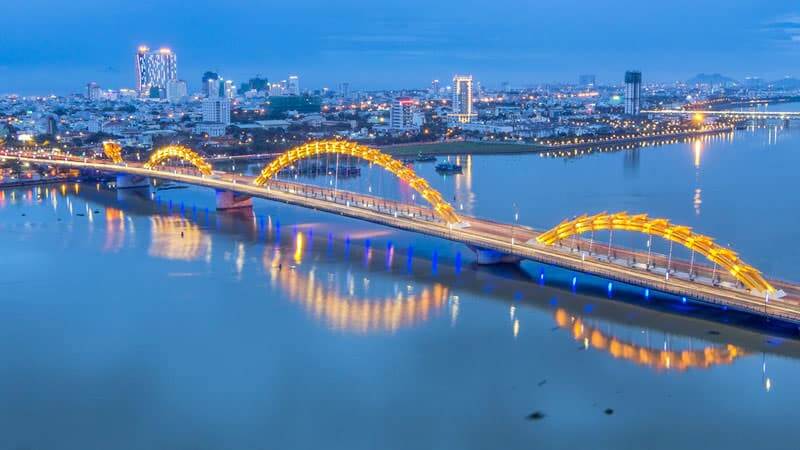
(28,183)
(505,148)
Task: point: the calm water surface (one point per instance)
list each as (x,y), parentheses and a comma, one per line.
(131,321)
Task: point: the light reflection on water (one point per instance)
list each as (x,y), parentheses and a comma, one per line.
(286,317)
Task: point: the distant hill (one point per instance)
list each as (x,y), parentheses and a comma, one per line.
(711,79)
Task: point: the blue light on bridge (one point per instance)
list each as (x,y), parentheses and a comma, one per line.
(458,263)
(541,276)
(610,288)
(574,283)
(435,263)
(683,299)
(409,259)
(647,293)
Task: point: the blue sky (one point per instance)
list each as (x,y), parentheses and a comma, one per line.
(52,46)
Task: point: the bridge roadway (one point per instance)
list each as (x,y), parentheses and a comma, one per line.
(603,260)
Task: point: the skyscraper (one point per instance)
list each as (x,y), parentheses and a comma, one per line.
(435,88)
(177,91)
(401,114)
(154,69)
(208,76)
(462,98)
(293,85)
(633,92)
(229,89)
(93,91)
(344,90)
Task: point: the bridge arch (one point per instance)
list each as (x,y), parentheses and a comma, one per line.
(312,149)
(726,258)
(178,152)
(113,151)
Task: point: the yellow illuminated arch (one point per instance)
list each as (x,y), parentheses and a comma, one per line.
(374,156)
(179,152)
(641,223)
(113,151)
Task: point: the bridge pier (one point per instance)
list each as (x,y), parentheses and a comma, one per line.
(486,256)
(127,181)
(233,200)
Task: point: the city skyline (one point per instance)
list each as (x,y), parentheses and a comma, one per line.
(399,47)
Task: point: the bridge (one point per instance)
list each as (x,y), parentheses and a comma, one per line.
(723,279)
(726,113)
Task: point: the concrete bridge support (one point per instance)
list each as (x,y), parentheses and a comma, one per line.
(126,181)
(232,200)
(490,256)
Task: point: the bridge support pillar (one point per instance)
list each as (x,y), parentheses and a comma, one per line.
(127,181)
(490,256)
(233,200)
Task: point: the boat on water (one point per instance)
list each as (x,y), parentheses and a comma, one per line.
(448,167)
(425,158)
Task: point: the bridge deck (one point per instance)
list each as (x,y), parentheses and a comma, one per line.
(616,263)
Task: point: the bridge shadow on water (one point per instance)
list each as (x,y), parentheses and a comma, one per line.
(572,298)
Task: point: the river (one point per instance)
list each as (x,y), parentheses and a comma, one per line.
(134,321)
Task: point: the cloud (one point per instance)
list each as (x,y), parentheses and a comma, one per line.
(783,29)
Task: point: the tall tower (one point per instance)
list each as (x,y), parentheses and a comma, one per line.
(462,98)
(155,69)
(293,85)
(434,88)
(633,92)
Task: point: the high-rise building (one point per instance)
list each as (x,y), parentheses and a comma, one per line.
(462,98)
(51,123)
(206,77)
(435,87)
(277,89)
(229,89)
(154,69)
(401,114)
(211,88)
(177,91)
(93,91)
(586,81)
(633,92)
(293,85)
(217,110)
(344,90)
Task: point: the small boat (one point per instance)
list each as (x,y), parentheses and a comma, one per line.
(425,158)
(448,167)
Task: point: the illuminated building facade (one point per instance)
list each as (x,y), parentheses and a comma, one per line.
(217,110)
(462,98)
(401,114)
(154,70)
(633,92)
(435,88)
